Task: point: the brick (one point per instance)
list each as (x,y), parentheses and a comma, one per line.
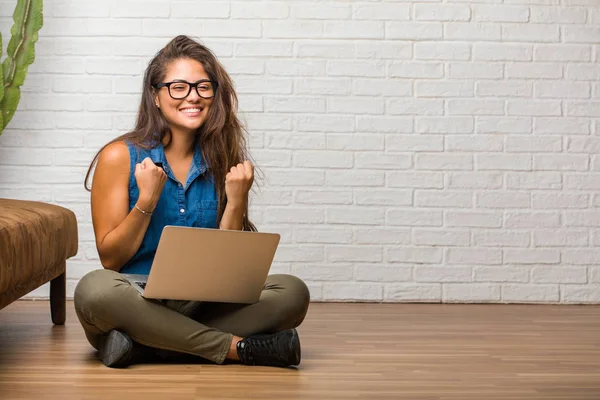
(355,142)
(501,238)
(562,52)
(321,272)
(329,123)
(501,274)
(393,12)
(353,291)
(563,162)
(475,107)
(103,27)
(560,238)
(484,124)
(415,107)
(52,65)
(306,196)
(530,33)
(137,9)
(531,256)
(503,200)
(559,201)
(530,293)
(73,120)
(384,50)
(533,180)
(445,237)
(296,104)
(413,30)
(272,197)
(582,72)
(580,34)
(435,198)
(474,143)
(475,70)
(382,87)
(442,51)
(534,107)
(295,141)
(473,256)
(536,144)
(350,105)
(376,273)
(360,69)
(291,29)
(72,9)
(431,12)
(52,102)
(421,255)
(431,292)
(279,215)
(442,274)
(582,108)
(507,162)
(558,15)
(352,253)
(416,69)
(568,126)
(380,235)
(322,49)
(384,124)
(470,292)
(582,218)
(206,9)
(580,294)
(252,85)
(118,103)
(531,219)
(269,122)
(502,52)
(534,70)
(295,68)
(354,30)
(413,217)
(287,177)
(382,161)
(581,256)
(75,46)
(515,88)
(444,89)
(583,145)
(443,162)
(472,219)
(503,13)
(259,10)
(472,31)
(321,86)
(446,124)
(322,11)
(385,197)
(16,156)
(322,235)
(413,143)
(322,159)
(560,90)
(355,178)
(424,180)
(474,180)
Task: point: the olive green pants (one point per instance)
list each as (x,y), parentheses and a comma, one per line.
(105,301)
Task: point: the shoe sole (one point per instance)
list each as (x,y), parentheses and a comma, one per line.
(115,347)
(296,347)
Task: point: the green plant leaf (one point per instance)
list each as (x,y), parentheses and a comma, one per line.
(1,89)
(28,18)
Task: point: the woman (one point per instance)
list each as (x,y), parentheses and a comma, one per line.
(183,164)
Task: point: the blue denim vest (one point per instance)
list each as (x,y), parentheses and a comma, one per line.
(193,204)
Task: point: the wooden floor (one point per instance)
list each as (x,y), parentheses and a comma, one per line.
(350,351)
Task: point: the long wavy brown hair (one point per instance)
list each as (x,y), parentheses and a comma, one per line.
(222,138)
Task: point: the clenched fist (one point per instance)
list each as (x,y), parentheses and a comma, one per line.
(238,182)
(150,180)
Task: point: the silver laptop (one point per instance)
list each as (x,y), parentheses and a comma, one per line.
(204,264)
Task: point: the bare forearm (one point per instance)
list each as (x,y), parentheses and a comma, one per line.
(233,216)
(121,244)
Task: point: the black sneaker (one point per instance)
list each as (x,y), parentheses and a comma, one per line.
(281,349)
(116,350)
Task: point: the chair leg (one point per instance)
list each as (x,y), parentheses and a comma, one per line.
(58,298)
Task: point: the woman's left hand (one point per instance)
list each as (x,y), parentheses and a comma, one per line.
(238,183)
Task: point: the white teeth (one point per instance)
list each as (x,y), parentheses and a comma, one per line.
(191,110)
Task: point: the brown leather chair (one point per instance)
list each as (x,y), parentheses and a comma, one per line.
(36,239)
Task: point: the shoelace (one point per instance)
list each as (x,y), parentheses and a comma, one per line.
(263,350)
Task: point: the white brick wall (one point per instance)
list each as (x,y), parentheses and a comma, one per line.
(443,150)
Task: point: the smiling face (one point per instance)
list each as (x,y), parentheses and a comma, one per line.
(188,114)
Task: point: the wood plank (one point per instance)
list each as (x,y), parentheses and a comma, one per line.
(350,351)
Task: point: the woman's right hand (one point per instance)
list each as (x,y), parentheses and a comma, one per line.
(150,180)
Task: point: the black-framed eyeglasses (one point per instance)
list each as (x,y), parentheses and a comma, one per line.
(180,89)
